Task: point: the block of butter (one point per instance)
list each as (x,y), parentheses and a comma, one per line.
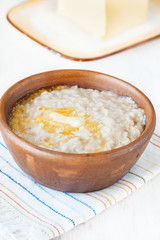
(104,18)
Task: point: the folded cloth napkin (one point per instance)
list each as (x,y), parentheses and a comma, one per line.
(29,211)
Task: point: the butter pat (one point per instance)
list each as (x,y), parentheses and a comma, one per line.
(125,14)
(89,14)
(73,121)
(104,18)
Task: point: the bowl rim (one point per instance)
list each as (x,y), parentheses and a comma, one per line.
(32,147)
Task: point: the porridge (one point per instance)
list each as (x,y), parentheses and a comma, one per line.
(77,120)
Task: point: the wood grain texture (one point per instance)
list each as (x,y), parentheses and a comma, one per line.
(75,172)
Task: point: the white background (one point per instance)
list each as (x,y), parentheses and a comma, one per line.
(137,216)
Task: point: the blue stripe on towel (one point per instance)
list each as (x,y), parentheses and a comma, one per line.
(80,202)
(38,199)
(3,145)
(76,199)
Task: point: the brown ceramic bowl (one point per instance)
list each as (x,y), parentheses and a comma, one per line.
(75,172)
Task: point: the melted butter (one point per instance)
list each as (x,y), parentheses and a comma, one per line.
(59,88)
(36,93)
(65,129)
(52,126)
(49,143)
(18,121)
(64,111)
(92,126)
(69,131)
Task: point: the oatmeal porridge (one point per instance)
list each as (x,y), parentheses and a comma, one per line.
(77,120)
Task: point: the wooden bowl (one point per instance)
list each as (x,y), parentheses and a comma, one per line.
(67,171)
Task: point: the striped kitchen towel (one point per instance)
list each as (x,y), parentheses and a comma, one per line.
(29,211)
